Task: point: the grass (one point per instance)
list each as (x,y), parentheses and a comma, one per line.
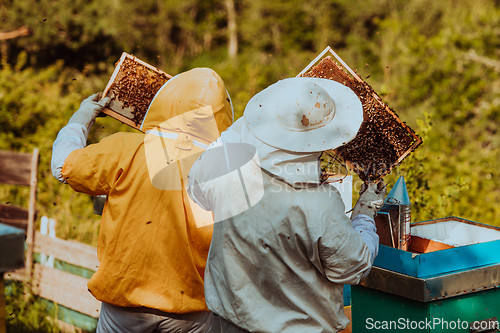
(25,312)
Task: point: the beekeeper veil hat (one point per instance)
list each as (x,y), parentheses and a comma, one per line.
(304,115)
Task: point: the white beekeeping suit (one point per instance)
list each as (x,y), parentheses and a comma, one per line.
(278,263)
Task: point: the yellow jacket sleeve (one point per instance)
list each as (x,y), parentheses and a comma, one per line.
(93,169)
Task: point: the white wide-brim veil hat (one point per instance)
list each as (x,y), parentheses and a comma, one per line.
(304,114)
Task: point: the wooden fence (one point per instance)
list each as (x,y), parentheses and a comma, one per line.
(65,285)
(68,289)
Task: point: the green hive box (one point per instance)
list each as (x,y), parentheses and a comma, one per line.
(441,291)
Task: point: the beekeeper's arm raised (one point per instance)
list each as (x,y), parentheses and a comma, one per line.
(74,135)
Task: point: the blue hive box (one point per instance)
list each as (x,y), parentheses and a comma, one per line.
(441,291)
(11,248)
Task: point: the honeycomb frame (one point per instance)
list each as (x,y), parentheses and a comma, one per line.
(374,137)
(144,82)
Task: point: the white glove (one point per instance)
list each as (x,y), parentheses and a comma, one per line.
(89,109)
(370,200)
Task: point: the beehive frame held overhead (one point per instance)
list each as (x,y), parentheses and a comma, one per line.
(383,140)
(132,87)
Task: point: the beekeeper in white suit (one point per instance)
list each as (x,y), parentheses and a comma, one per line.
(280,264)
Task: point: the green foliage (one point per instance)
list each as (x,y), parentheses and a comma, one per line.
(25,313)
(34,106)
(444,69)
(73,30)
(434,62)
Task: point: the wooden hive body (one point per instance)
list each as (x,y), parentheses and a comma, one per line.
(132,87)
(383,140)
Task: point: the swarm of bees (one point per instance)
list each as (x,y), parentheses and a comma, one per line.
(383,140)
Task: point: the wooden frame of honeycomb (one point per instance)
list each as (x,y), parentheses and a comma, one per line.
(132,87)
(383,140)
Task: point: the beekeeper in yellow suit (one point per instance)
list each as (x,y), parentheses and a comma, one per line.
(152,245)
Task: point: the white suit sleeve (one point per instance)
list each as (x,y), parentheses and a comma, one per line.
(365,225)
(196,179)
(347,249)
(70,138)
(194,188)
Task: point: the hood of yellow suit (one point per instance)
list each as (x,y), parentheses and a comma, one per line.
(189,112)
(195,103)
